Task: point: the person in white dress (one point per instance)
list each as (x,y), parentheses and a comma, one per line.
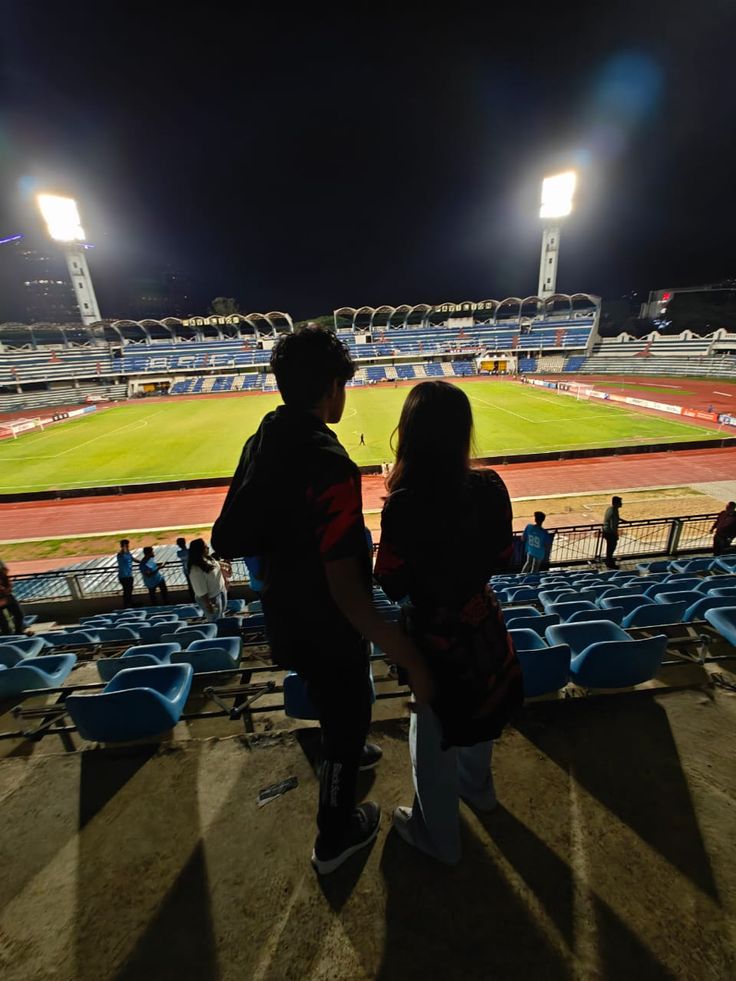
(207,579)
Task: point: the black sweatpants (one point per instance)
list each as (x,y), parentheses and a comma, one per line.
(340,690)
(164,592)
(611,543)
(127,583)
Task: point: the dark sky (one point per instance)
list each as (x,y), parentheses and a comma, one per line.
(302,161)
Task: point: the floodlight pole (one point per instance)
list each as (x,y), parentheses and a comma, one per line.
(84,291)
(548,261)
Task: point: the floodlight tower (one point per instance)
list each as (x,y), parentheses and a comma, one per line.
(64,226)
(557,194)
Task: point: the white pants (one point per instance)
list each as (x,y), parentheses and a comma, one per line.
(531,564)
(220,602)
(441,778)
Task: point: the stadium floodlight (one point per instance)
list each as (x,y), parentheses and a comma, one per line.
(64,225)
(557,194)
(62,218)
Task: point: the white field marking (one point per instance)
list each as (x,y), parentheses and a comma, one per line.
(349,413)
(726,395)
(139,423)
(492,405)
(586,443)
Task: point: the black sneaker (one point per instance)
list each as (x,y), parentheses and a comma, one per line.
(370,757)
(363,829)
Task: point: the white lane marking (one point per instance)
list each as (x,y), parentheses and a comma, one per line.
(492,405)
(138,423)
(726,395)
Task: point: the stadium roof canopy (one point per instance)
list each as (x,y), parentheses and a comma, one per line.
(424,315)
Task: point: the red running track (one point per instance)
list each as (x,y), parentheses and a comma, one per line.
(186,509)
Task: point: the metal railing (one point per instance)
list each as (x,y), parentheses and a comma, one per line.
(572,545)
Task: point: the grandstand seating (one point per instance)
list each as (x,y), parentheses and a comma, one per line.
(35,673)
(123,711)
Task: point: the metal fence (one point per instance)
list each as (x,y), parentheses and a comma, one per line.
(573,545)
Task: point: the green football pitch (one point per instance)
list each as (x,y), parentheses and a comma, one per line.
(182,439)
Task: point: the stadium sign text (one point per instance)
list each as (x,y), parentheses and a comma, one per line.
(212,321)
(464,307)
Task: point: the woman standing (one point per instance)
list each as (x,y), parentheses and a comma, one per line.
(445,529)
(207,579)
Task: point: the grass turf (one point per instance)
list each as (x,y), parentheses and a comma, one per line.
(183,439)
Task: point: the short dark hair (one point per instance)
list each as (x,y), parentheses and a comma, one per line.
(539,517)
(124,541)
(616,500)
(148,550)
(182,542)
(307,362)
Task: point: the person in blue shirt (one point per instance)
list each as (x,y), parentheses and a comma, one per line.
(152,578)
(125,572)
(536,543)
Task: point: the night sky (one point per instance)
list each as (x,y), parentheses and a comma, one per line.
(304,161)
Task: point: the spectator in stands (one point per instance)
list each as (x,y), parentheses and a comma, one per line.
(725,529)
(611,521)
(11,614)
(182,554)
(295,500)
(125,571)
(454,619)
(152,577)
(207,579)
(536,543)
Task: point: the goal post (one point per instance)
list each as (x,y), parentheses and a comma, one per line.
(14,428)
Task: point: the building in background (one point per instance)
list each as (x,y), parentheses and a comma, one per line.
(47,294)
(167,294)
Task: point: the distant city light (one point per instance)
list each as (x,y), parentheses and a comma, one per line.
(557,194)
(62,218)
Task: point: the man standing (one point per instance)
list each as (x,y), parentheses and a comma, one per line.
(362,440)
(295,501)
(182,554)
(725,529)
(536,543)
(152,577)
(125,571)
(611,521)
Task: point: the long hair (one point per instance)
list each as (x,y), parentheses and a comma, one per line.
(197,556)
(435,434)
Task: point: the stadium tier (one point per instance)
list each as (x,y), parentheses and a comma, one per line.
(48,365)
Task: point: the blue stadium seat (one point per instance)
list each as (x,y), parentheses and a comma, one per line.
(136,704)
(24,646)
(655,615)
(32,674)
(512,613)
(139,656)
(522,594)
(722,591)
(199,631)
(715,582)
(108,634)
(671,585)
(699,608)
(235,606)
(625,603)
(71,638)
(727,563)
(549,596)
(187,612)
(604,656)
(298,704)
(152,634)
(688,597)
(660,565)
(538,623)
(691,565)
(723,620)
(216,654)
(612,613)
(564,610)
(544,669)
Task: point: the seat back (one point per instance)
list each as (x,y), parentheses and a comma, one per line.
(698,609)
(613,614)
(544,671)
(526,640)
(108,634)
(564,610)
(687,596)
(625,603)
(517,612)
(723,620)
(655,615)
(581,634)
(616,664)
(538,624)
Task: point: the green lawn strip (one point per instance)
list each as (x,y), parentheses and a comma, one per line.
(94,545)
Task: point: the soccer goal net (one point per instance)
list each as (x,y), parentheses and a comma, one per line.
(15,428)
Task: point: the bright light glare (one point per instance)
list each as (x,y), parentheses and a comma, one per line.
(62,218)
(557,195)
